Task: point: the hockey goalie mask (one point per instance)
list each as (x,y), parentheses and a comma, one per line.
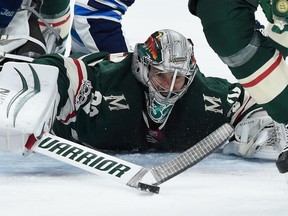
(165,64)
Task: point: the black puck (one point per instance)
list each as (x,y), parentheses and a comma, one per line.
(148,188)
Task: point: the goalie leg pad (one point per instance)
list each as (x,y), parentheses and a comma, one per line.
(257,136)
(28,98)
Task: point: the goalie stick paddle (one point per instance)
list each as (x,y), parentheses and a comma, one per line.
(193,155)
(101,164)
(88,159)
(188,158)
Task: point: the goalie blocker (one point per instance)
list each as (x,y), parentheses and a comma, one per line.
(25,89)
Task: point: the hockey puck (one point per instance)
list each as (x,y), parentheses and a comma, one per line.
(148,188)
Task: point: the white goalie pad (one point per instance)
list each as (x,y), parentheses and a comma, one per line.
(258,136)
(28,94)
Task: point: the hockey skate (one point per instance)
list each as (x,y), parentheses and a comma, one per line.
(282,161)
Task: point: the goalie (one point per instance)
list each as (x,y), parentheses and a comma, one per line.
(154,99)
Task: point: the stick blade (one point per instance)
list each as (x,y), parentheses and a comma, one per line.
(148,188)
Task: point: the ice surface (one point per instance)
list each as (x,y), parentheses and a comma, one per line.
(219,185)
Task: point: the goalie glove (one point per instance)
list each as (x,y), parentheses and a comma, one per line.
(28,98)
(276,11)
(257,136)
(280,15)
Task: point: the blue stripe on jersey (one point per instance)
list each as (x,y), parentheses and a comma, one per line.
(78,10)
(75,35)
(116,6)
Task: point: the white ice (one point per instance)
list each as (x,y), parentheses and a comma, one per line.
(218,185)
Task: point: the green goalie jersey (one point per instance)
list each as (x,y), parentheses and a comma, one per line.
(103,106)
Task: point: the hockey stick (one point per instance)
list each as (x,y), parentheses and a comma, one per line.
(85,158)
(122,171)
(188,158)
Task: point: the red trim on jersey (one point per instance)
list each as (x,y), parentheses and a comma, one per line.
(241,112)
(80,75)
(80,78)
(70,116)
(57,23)
(30,142)
(264,74)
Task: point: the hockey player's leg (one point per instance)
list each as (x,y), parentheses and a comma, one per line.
(28,98)
(268,83)
(22,39)
(59,19)
(97,26)
(251,57)
(31,48)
